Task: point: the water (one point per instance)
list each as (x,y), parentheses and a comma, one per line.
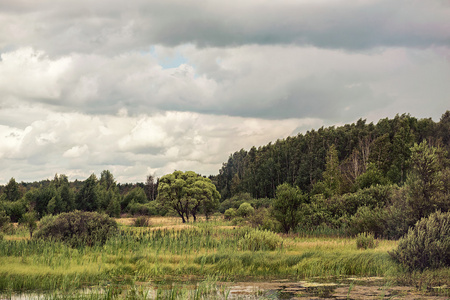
(347,288)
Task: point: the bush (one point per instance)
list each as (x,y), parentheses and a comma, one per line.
(78,228)
(245,210)
(238,221)
(142,221)
(4,220)
(365,240)
(256,240)
(235,201)
(229,214)
(147,209)
(262,219)
(427,245)
(367,220)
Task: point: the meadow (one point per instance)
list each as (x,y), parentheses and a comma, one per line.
(170,260)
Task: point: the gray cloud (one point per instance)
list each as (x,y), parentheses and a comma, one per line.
(115,26)
(271,82)
(149,87)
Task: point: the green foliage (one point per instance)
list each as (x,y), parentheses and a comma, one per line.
(365,240)
(113,208)
(4,220)
(235,201)
(367,220)
(372,176)
(147,209)
(78,228)
(11,190)
(28,220)
(14,209)
(262,219)
(301,160)
(286,206)
(427,245)
(142,221)
(332,177)
(87,196)
(136,195)
(230,214)
(245,210)
(256,240)
(424,181)
(397,214)
(187,194)
(332,182)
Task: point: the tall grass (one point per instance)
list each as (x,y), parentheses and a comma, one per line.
(172,254)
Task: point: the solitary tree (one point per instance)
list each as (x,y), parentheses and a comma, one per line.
(29,221)
(286,206)
(187,193)
(425,184)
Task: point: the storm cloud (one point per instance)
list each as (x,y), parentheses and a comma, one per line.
(147,87)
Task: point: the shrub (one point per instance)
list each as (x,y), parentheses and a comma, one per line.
(229,214)
(4,220)
(367,220)
(235,201)
(256,240)
(147,209)
(245,210)
(142,221)
(365,240)
(427,245)
(262,219)
(78,228)
(238,221)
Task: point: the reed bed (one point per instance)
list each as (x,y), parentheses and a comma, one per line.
(194,252)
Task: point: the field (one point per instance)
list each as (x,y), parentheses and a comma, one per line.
(170,260)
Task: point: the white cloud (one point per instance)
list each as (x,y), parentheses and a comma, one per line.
(78,145)
(76,151)
(158,86)
(26,73)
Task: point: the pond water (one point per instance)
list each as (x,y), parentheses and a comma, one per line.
(348,288)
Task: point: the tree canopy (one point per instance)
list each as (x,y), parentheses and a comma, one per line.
(187,193)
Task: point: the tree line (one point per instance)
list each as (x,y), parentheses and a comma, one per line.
(352,179)
(104,194)
(300,160)
(379,178)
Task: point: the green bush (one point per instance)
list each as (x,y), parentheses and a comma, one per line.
(245,210)
(427,245)
(229,214)
(147,209)
(142,221)
(262,219)
(367,220)
(365,240)
(78,228)
(235,201)
(256,240)
(4,220)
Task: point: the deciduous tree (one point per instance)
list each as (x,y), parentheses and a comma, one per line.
(187,193)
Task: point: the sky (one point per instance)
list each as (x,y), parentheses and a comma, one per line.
(146,87)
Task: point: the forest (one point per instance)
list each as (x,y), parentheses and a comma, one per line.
(340,206)
(379,178)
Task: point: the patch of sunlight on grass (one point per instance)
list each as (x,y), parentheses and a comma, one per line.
(19,266)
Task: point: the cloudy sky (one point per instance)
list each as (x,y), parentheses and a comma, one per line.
(149,86)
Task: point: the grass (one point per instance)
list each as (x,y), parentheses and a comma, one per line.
(170,251)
